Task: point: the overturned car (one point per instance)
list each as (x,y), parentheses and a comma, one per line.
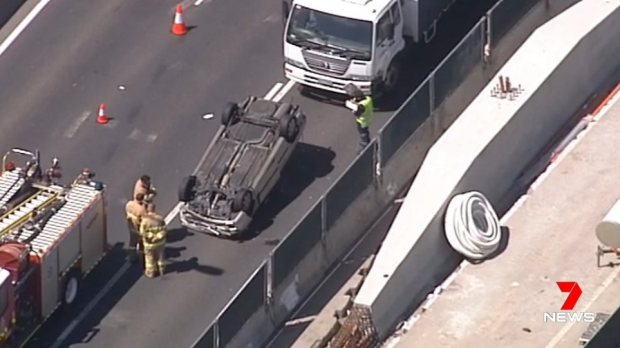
(241,166)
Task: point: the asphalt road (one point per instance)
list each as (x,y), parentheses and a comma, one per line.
(75,55)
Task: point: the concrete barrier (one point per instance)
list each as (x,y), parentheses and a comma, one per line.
(398,172)
(487,148)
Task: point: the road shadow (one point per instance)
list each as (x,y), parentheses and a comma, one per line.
(101,275)
(174,253)
(192,264)
(177,234)
(307,163)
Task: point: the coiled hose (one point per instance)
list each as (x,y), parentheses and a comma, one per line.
(471,226)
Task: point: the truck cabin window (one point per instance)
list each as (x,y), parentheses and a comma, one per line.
(321,31)
(385,29)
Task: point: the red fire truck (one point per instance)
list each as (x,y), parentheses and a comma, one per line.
(51,236)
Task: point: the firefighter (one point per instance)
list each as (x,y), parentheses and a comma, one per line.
(153,232)
(144,186)
(362,107)
(84,176)
(135,210)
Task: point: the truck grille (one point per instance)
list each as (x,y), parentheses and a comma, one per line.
(327,64)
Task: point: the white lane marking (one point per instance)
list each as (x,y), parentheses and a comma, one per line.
(272,92)
(198,2)
(22,25)
(171,215)
(138,135)
(70,132)
(284,90)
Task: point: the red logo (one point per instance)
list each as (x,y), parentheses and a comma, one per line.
(574,292)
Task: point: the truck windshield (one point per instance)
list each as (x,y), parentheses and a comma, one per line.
(313,29)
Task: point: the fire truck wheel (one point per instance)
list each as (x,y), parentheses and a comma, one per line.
(71,287)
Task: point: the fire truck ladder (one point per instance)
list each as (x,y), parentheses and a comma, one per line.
(78,200)
(10,183)
(26,209)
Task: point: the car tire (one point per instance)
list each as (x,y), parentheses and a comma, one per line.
(230,114)
(186,188)
(244,201)
(289,128)
(71,287)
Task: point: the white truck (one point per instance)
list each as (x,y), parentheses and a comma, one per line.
(331,43)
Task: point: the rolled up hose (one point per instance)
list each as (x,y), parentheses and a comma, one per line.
(471,226)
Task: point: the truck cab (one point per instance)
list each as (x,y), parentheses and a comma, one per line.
(331,43)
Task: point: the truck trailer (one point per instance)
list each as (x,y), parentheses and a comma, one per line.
(51,236)
(329,44)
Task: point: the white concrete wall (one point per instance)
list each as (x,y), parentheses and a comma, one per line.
(488,147)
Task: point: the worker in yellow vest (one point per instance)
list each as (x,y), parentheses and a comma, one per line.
(153,232)
(135,210)
(362,107)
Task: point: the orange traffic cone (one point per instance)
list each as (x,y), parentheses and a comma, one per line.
(178,26)
(101,117)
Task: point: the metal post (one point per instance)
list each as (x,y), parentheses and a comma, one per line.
(269,281)
(323,220)
(377,159)
(487,49)
(216,334)
(431,91)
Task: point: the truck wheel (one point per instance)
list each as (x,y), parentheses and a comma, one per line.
(186,188)
(289,128)
(382,88)
(71,286)
(244,201)
(230,114)
(391,75)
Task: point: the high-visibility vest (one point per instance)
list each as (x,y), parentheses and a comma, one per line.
(365,118)
(153,232)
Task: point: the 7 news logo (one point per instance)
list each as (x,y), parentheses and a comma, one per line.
(574,292)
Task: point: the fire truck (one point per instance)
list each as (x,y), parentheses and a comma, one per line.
(51,236)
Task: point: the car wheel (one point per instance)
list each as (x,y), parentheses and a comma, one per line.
(244,201)
(289,128)
(230,114)
(186,188)
(71,286)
